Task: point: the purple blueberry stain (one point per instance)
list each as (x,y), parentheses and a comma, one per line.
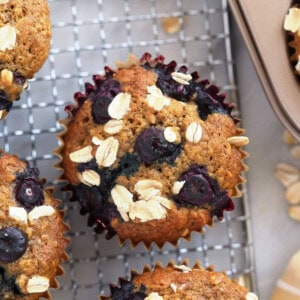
(13,244)
(201,190)
(126,291)
(29,189)
(5,104)
(152,147)
(8,285)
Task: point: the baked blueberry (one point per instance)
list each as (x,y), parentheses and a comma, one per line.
(13,244)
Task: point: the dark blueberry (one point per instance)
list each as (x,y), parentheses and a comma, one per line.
(126,291)
(13,244)
(206,96)
(29,193)
(100,110)
(19,79)
(129,164)
(201,190)
(5,104)
(8,286)
(152,147)
(32,173)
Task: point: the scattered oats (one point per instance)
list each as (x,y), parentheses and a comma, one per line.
(289,138)
(181,78)
(154,296)
(156,99)
(163,201)
(287,174)
(238,141)
(113,126)
(7,76)
(18,213)
(194,132)
(172,134)
(147,210)
(122,198)
(295,151)
(183,268)
(106,153)
(119,106)
(173,287)
(82,155)
(91,177)
(293,193)
(294,213)
(177,186)
(142,185)
(132,60)
(41,211)
(171,24)
(8,37)
(37,284)
(292,20)
(251,296)
(96,141)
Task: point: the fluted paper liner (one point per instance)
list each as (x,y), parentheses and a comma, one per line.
(288,286)
(171,264)
(186,233)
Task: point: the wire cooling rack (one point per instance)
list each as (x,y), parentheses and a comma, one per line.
(87,35)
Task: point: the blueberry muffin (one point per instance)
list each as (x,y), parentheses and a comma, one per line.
(32,238)
(292,26)
(178,282)
(151,153)
(25,33)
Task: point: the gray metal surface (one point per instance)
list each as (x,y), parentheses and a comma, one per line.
(87,35)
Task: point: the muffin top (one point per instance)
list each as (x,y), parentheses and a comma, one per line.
(178,282)
(25,34)
(148,139)
(32,238)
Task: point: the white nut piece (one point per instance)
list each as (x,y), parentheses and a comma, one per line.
(173,287)
(122,198)
(82,155)
(8,37)
(295,151)
(294,212)
(37,284)
(156,99)
(181,78)
(90,177)
(238,141)
(154,296)
(172,134)
(251,296)
(4,1)
(7,76)
(41,211)
(18,214)
(113,126)
(194,132)
(106,153)
(183,268)
(177,186)
(292,20)
(293,193)
(119,106)
(287,174)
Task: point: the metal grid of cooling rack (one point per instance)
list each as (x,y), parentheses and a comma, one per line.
(88,34)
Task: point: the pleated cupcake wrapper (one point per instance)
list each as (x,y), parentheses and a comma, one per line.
(159,265)
(54,284)
(234,193)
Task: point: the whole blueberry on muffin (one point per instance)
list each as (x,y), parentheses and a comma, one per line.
(25,33)
(32,231)
(178,282)
(151,152)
